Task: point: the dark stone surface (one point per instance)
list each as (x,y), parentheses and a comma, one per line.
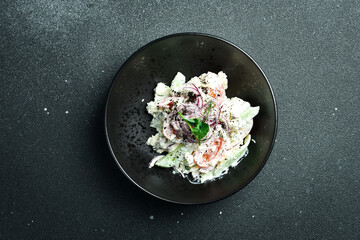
(57,177)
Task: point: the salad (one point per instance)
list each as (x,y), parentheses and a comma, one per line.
(200,132)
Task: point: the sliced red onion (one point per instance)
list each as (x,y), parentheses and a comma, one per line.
(189,110)
(175,125)
(199,99)
(195,87)
(213,119)
(220,111)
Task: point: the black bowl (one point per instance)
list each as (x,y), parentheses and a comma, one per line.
(128,124)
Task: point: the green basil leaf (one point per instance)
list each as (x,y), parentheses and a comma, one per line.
(204,129)
(197,127)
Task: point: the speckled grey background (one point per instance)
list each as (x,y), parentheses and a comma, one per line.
(57,177)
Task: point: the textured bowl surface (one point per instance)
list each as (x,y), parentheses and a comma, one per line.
(128,124)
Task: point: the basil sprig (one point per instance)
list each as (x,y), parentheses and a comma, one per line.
(198,128)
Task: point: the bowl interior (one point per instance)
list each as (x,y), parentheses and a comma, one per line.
(128,123)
